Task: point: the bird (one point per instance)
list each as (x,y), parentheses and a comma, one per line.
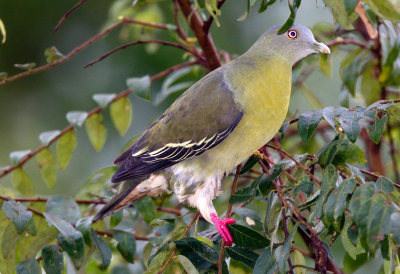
(214,126)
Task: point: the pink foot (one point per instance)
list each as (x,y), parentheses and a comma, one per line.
(222,229)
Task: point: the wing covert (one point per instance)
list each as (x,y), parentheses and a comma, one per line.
(197,121)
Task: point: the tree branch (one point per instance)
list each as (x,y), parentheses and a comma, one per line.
(77,49)
(204,39)
(68,13)
(166,43)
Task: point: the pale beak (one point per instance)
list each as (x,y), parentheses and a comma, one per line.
(321,48)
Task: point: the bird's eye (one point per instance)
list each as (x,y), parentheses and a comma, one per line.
(292,34)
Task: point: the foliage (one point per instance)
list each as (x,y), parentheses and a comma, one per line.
(325,182)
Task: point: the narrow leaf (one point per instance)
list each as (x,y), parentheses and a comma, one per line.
(48,166)
(140,86)
(28,267)
(103,248)
(64,208)
(53,259)
(121,114)
(243,255)
(96,131)
(247,237)
(66,146)
(201,255)
(126,245)
(22,182)
(18,213)
(266,263)
(187,265)
(285,251)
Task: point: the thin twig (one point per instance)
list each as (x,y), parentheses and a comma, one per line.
(93,111)
(208,22)
(72,53)
(315,179)
(110,234)
(176,250)
(346,42)
(205,41)
(68,13)
(166,43)
(179,30)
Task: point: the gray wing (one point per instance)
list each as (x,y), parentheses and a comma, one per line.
(198,120)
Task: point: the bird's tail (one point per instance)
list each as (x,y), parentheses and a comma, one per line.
(115,204)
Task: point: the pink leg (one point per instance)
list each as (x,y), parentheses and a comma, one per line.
(222,229)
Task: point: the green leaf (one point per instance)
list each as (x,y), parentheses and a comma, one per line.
(201,255)
(370,87)
(53,261)
(48,166)
(64,208)
(66,146)
(28,267)
(395,226)
(247,237)
(246,256)
(350,5)
(359,198)
(84,225)
(250,216)
(328,183)
(270,215)
(126,245)
(339,152)
(71,239)
(3,75)
(103,248)
(285,251)
(308,123)
(146,208)
(298,259)
(385,185)
(121,114)
(266,182)
(116,218)
(351,67)
(352,250)
(27,66)
(187,265)
(22,182)
(53,55)
(385,9)
(325,64)
(375,130)
(3,31)
(330,113)
(289,22)
(96,182)
(265,4)
(266,263)
(249,164)
(242,195)
(349,120)
(306,186)
(140,86)
(96,131)
(336,203)
(46,137)
(103,99)
(18,213)
(17,156)
(76,118)
(340,13)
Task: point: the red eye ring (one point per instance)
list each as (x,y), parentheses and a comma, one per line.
(292,34)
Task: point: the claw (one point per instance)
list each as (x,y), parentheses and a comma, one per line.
(222,229)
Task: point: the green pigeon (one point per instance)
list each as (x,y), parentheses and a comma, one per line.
(214,126)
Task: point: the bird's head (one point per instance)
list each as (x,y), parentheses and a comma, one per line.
(293,44)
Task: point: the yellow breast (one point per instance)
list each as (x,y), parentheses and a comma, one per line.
(262,88)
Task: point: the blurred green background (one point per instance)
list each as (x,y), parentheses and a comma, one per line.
(39,102)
